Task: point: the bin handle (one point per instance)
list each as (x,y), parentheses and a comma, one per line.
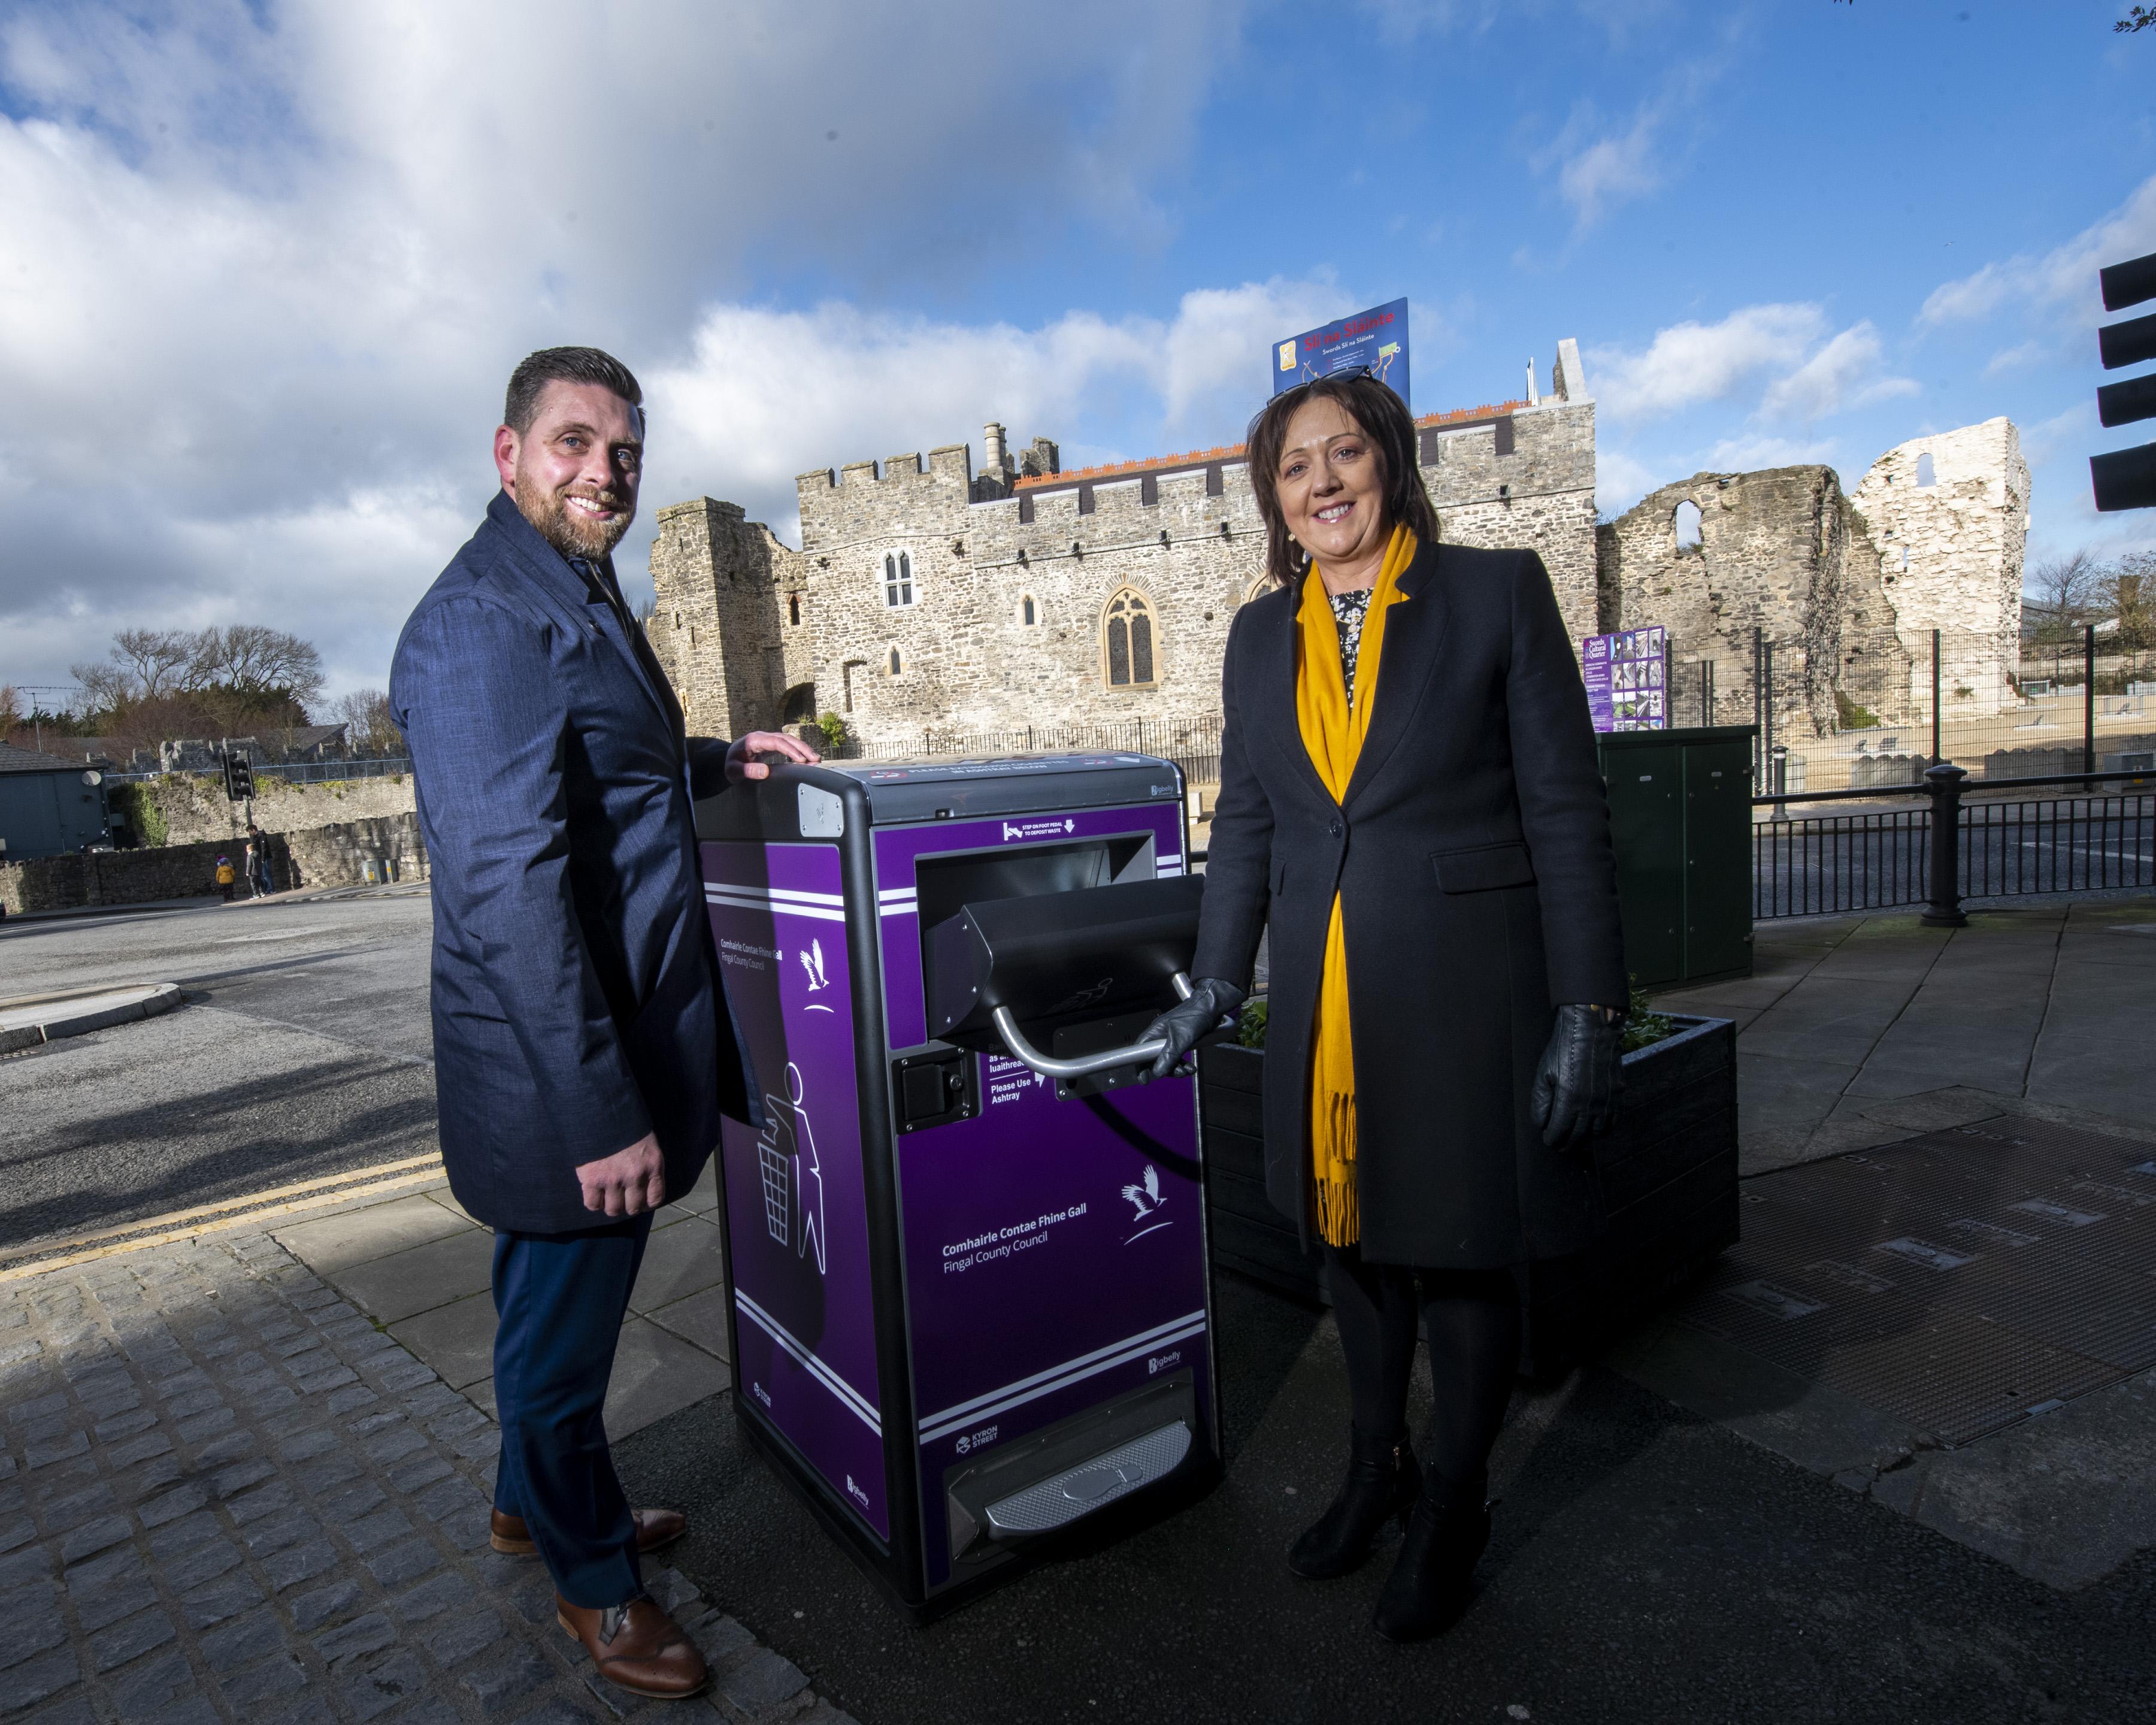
(1049,1066)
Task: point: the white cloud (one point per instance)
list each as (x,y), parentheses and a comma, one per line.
(1752,454)
(2064,276)
(1843,373)
(1596,178)
(2010,359)
(267,265)
(1689,363)
(767,394)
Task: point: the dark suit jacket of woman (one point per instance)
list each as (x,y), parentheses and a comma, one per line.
(1477,888)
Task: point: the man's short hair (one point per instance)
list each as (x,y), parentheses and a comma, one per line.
(566,365)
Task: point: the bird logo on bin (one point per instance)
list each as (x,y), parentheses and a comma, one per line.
(793,1177)
(1147,1199)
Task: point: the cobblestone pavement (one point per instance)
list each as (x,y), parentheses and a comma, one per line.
(226,1495)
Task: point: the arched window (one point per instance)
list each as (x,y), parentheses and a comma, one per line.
(1026,612)
(897,581)
(793,609)
(1925,474)
(1687,523)
(894,661)
(1126,640)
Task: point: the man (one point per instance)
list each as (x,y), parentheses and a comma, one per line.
(582,1058)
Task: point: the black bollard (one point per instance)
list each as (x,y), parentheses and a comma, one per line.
(1943,784)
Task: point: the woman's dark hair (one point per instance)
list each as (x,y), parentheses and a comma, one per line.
(1385,421)
(564,365)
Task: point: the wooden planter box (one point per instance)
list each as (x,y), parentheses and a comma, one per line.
(1669,1170)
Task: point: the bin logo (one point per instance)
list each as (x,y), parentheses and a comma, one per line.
(793,1177)
(812,962)
(1148,1199)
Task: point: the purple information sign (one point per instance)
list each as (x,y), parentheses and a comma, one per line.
(796,1207)
(1627,675)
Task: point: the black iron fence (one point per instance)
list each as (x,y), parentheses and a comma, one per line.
(293,772)
(1944,850)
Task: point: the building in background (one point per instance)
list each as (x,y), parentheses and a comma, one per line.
(929,602)
(48,807)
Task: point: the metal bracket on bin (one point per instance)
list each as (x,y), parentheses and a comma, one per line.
(1131,1055)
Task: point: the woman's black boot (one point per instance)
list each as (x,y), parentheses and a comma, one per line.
(1430,1582)
(1384,1483)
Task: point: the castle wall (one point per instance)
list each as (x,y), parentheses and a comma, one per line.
(968,658)
(1782,553)
(1950,554)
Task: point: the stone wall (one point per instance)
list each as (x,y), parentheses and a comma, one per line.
(1950,550)
(752,632)
(195,809)
(1782,552)
(318,856)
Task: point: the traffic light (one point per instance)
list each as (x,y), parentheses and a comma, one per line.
(2127,479)
(238,778)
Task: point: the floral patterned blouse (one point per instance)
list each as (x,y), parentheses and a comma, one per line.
(1348,611)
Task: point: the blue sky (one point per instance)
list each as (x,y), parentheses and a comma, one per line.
(267,265)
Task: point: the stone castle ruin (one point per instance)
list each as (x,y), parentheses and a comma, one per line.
(933,606)
(1847,586)
(928,601)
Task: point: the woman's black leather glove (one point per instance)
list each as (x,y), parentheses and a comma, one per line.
(1182,1024)
(1580,1078)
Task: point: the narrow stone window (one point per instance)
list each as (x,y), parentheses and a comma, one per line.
(1686,519)
(1085,500)
(897,581)
(1027,615)
(894,666)
(1149,488)
(1126,640)
(793,609)
(1925,474)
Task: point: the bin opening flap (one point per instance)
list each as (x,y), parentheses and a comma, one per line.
(1061,958)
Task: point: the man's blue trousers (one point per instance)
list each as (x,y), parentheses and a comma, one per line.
(560,1299)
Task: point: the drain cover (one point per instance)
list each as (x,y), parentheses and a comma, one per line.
(1958,1282)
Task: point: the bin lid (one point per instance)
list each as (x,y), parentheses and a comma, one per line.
(1008,784)
(945,788)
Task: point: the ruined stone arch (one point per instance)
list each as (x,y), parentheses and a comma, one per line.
(800,704)
(1130,640)
(1685,522)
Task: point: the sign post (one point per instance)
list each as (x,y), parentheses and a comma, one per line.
(1377,339)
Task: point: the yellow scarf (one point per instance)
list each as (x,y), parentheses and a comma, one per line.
(1333,725)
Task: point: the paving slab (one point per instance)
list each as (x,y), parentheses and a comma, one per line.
(656,1373)
(700,1320)
(681,1258)
(421,1278)
(457,1340)
(338,1243)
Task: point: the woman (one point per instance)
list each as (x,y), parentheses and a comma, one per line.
(1409,798)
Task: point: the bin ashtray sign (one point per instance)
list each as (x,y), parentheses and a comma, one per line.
(1627,675)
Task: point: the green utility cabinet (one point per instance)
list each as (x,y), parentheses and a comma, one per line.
(1681,816)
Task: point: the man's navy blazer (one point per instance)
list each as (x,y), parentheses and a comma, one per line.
(576,1002)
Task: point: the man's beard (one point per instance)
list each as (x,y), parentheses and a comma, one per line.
(571,534)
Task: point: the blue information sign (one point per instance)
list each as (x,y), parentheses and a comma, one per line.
(1377,338)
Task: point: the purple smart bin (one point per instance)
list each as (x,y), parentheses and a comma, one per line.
(967,1279)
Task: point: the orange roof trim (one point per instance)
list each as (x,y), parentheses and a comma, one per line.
(1235,452)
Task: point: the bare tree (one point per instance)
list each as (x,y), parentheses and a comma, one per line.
(2061,591)
(2129,595)
(253,660)
(369,730)
(12,715)
(157,659)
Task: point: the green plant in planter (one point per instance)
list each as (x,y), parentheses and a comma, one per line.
(1644,1026)
(1250,1028)
(833,727)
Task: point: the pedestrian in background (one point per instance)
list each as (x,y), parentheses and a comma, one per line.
(583,1054)
(258,862)
(1409,799)
(225,878)
(251,867)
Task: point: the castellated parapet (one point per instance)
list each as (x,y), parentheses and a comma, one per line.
(993,594)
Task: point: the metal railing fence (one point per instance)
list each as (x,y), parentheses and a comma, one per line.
(1999,847)
(292,772)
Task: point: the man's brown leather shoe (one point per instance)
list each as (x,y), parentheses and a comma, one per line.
(654,1527)
(637,1647)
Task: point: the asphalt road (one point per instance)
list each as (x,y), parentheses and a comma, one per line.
(304,1050)
(1645,1566)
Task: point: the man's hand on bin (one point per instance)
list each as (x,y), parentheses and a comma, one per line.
(741,761)
(1581,1076)
(628,1183)
(1181,1025)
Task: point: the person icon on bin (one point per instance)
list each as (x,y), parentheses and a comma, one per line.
(793,1176)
